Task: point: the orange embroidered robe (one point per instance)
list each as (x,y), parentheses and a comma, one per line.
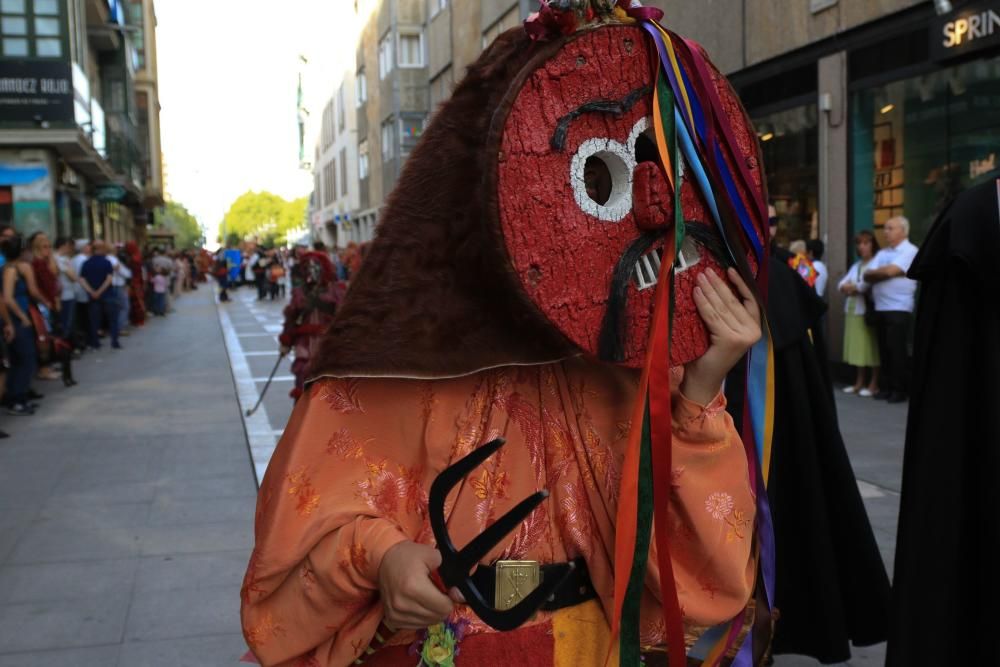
(350,478)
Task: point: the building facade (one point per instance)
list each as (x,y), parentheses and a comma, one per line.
(79,117)
(865,110)
(334,205)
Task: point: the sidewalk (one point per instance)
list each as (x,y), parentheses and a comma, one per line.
(126,507)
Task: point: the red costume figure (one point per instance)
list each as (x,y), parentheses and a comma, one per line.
(315,295)
(552,271)
(136,286)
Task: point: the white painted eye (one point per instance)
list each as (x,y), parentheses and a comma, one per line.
(601,175)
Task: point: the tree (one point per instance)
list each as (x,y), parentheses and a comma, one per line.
(264,215)
(187,231)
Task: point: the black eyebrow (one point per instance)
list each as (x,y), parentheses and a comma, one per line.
(616,107)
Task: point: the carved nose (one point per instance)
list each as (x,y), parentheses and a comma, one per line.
(652,198)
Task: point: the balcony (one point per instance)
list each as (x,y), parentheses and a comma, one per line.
(123,149)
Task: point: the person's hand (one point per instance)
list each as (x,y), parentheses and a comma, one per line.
(284,349)
(733,327)
(25,320)
(8,332)
(410,598)
(848,288)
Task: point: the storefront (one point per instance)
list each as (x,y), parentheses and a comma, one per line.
(928,128)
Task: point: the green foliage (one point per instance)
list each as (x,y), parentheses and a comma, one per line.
(187,231)
(264,216)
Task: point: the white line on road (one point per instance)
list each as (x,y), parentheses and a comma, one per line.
(277,378)
(266,353)
(259,430)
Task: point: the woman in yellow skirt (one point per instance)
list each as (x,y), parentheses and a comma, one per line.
(860,341)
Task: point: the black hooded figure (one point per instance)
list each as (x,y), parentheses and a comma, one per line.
(831,586)
(946,587)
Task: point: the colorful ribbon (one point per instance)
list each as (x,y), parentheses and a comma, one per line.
(689,121)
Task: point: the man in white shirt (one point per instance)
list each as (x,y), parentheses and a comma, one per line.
(82,298)
(895,297)
(119,283)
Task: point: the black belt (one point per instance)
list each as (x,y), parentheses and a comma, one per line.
(575,590)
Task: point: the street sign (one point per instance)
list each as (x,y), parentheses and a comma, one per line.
(108,193)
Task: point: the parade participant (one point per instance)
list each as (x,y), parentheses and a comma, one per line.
(136,285)
(588,314)
(944,589)
(308,314)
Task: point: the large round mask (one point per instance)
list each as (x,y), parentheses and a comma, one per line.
(578,185)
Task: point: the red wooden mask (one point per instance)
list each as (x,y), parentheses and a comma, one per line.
(581,192)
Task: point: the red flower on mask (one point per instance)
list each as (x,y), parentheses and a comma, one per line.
(550,21)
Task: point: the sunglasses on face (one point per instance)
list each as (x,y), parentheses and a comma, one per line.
(773,221)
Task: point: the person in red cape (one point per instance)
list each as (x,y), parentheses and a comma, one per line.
(136,285)
(315,295)
(511,292)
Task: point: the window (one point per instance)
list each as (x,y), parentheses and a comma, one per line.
(343,172)
(388,140)
(385,57)
(361,87)
(411,49)
(328,133)
(31,28)
(363,160)
(410,129)
(341,115)
(328,180)
(919,141)
(437,6)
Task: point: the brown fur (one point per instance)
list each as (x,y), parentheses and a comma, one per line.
(435,296)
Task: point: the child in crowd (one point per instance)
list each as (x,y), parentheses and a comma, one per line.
(160,285)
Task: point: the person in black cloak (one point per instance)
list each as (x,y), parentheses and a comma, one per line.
(831,586)
(946,589)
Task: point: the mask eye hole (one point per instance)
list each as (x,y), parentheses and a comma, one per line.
(601,176)
(597,180)
(645,148)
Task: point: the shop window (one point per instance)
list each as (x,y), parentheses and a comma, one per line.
(918,142)
(789,144)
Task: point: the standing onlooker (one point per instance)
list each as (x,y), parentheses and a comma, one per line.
(814,251)
(67,285)
(46,299)
(160,286)
(22,350)
(860,339)
(119,281)
(83,249)
(96,276)
(895,297)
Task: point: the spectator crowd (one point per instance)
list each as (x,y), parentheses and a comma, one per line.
(69,297)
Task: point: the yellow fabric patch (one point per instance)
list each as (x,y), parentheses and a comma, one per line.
(581,636)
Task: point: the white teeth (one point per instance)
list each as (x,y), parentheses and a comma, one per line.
(647,269)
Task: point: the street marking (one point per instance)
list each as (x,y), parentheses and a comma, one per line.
(254,335)
(267,353)
(260,436)
(277,378)
(871,491)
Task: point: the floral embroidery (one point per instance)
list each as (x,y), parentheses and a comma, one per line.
(268,628)
(342,395)
(250,585)
(355,556)
(522,413)
(719,505)
(738,524)
(575,518)
(528,534)
(346,446)
(307,575)
(300,485)
(308,660)
(710,588)
(675,477)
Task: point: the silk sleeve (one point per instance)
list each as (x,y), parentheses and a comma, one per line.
(344,485)
(712,513)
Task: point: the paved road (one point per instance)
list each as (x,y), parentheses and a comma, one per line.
(126,507)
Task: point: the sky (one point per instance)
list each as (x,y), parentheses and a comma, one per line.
(228,72)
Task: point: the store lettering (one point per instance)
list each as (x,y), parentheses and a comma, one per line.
(32,86)
(966,30)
